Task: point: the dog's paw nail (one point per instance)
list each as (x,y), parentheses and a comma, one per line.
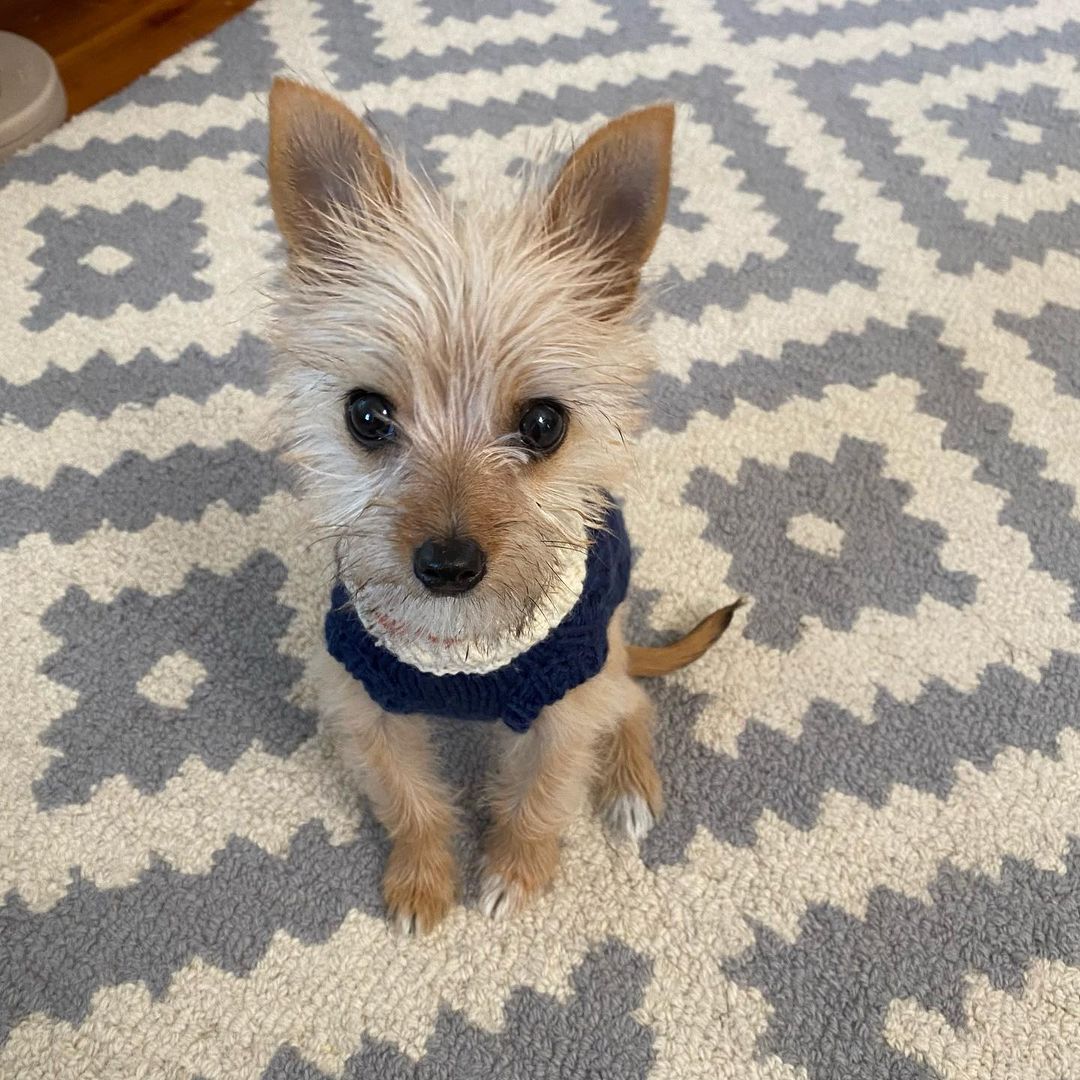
(630,818)
(405,923)
(499,897)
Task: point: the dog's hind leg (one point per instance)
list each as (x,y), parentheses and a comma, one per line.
(628,789)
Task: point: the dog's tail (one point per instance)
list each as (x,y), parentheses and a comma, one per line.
(645,662)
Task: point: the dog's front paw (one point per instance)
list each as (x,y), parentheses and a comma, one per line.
(419,886)
(515,871)
(629,817)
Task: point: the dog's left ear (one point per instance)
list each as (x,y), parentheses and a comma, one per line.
(325,167)
(611,197)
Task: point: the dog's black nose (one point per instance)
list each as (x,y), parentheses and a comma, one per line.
(449,566)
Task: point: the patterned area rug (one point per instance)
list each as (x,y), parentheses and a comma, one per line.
(865,422)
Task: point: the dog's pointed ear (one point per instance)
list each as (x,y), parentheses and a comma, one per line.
(611,196)
(325,166)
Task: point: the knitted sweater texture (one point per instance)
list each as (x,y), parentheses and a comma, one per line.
(572,653)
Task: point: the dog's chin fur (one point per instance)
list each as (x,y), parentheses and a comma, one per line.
(459,315)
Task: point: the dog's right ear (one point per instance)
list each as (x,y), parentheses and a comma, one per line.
(325,167)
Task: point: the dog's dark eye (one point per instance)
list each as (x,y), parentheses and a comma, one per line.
(542,426)
(370,418)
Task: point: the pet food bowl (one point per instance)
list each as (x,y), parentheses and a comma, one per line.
(32,100)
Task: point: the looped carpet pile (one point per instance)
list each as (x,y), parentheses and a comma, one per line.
(868,309)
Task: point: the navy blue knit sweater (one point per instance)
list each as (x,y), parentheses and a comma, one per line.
(571,654)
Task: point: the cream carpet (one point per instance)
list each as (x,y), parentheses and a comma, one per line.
(866,422)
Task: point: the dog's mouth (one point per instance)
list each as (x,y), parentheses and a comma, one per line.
(398,630)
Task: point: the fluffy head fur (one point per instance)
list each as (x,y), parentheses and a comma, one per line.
(459,316)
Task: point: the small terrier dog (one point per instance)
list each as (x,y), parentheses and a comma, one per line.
(458,389)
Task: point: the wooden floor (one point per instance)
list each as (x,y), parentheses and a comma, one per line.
(102,45)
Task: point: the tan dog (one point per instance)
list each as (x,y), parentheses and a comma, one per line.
(459,388)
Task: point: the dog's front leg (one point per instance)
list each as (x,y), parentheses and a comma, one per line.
(541,782)
(391,757)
